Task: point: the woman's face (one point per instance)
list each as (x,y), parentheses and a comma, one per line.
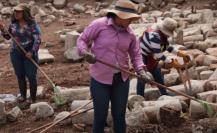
(18,15)
(123,22)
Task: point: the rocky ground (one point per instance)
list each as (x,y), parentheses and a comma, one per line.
(58,19)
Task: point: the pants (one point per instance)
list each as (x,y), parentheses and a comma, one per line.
(158,77)
(23,68)
(117,93)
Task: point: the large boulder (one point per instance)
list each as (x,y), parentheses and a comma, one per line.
(59,3)
(70,46)
(75,93)
(14,114)
(44,56)
(208,16)
(42,110)
(14,2)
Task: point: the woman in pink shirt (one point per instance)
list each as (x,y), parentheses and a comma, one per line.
(111,40)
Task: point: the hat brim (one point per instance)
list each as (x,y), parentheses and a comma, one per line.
(124,15)
(165,31)
(18,8)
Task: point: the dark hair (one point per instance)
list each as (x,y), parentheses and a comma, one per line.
(26,16)
(111,15)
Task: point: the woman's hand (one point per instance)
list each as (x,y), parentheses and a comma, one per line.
(29,55)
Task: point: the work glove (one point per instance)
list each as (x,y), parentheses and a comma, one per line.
(173,64)
(185,57)
(90,57)
(146,76)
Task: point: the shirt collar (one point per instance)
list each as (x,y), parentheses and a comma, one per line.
(111,22)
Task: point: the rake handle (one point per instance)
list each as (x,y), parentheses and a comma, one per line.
(152,82)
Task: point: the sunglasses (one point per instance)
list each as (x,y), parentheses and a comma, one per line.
(16,11)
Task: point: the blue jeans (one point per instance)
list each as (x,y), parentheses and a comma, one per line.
(117,93)
(23,68)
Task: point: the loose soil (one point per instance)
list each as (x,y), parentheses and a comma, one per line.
(66,74)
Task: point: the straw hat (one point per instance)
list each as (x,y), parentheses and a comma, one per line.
(20,7)
(168,26)
(125,10)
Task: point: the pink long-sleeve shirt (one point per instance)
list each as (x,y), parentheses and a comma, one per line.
(111,44)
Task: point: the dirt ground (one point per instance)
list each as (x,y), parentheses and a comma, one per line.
(65,74)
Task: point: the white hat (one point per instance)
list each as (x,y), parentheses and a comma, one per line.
(125,10)
(168,26)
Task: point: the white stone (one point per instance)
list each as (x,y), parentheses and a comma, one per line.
(7,97)
(78,103)
(151,93)
(209,59)
(156,13)
(156,3)
(208,16)
(79,8)
(192,31)
(132,99)
(212,51)
(193,38)
(205,74)
(40,92)
(62,115)
(195,17)
(14,2)
(194,52)
(59,3)
(197,87)
(133,83)
(71,39)
(75,93)
(42,110)
(14,114)
(171,78)
(1,6)
(44,56)
(6,11)
(204,95)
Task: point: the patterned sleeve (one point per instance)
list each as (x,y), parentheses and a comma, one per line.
(155,42)
(36,33)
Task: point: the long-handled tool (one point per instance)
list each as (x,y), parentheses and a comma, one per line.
(72,114)
(207,106)
(58,100)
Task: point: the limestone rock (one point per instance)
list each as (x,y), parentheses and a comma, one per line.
(132,99)
(14,2)
(79,8)
(193,38)
(62,115)
(76,93)
(42,110)
(59,3)
(78,103)
(6,11)
(14,114)
(205,74)
(45,56)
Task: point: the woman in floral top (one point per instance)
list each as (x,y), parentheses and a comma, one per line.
(25,30)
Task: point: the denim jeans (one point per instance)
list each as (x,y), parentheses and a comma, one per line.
(156,73)
(23,68)
(117,93)
(158,77)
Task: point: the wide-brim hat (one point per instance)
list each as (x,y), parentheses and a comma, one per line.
(168,26)
(20,7)
(125,10)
